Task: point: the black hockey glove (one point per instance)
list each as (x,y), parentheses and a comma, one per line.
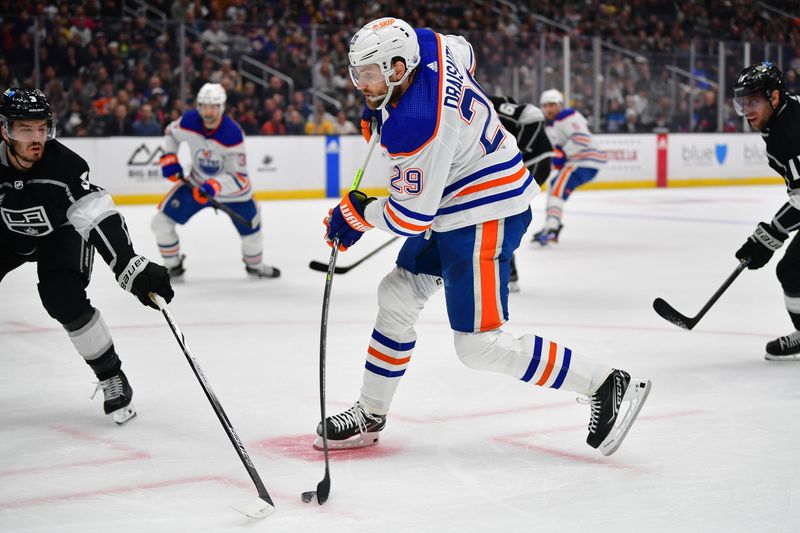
(760,246)
(141,277)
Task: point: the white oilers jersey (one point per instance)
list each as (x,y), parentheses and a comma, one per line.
(451,162)
(217,154)
(569,131)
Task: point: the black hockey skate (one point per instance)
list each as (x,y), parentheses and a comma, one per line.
(176,272)
(262,271)
(117,394)
(606,430)
(784,348)
(547,235)
(355,428)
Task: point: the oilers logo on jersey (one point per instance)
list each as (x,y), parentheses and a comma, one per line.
(208,162)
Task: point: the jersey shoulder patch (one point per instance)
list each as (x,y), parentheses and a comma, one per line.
(415,119)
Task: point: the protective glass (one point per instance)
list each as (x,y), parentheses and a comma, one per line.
(30,130)
(366,74)
(752,102)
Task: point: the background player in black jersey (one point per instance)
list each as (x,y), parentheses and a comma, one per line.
(759,95)
(526,123)
(51,214)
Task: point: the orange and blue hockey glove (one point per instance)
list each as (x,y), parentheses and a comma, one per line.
(171,168)
(559,159)
(208,189)
(347,221)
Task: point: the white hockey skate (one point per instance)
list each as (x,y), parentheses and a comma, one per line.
(177,271)
(261,271)
(607,429)
(355,428)
(117,394)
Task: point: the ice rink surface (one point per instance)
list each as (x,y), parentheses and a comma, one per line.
(714,449)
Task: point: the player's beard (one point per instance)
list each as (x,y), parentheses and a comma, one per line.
(28,156)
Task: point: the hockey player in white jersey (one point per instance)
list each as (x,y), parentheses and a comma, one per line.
(460,194)
(576,162)
(219,171)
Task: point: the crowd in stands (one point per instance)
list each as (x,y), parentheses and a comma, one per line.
(110,72)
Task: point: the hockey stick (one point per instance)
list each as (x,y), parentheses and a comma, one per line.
(322,267)
(263,506)
(219,205)
(324,486)
(669,313)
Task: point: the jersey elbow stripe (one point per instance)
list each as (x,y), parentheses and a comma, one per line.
(403,224)
(395,229)
(409,213)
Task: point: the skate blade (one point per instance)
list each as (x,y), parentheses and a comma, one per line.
(513,286)
(256,509)
(636,394)
(361,440)
(771,357)
(121,416)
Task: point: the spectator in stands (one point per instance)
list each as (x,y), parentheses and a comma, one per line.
(631,122)
(615,118)
(295,125)
(146,124)
(275,125)
(300,103)
(320,122)
(342,126)
(706,116)
(214,38)
(119,123)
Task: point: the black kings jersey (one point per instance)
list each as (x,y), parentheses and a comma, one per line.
(782,136)
(526,123)
(56,192)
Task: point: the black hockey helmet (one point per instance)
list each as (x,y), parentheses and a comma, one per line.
(25,104)
(762,78)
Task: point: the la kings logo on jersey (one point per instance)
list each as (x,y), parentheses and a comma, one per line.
(32,221)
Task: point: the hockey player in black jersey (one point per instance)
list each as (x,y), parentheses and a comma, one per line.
(759,96)
(526,123)
(51,214)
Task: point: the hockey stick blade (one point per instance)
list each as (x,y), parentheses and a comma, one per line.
(323,267)
(256,509)
(670,314)
(322,492)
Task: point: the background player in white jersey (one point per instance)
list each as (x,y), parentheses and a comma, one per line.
(460,193)
(52,215)
(576,162)
(219,171)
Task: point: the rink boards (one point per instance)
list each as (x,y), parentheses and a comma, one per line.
(289,167)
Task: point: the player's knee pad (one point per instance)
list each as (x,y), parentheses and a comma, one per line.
(402,295)
(164,228)
(63,295)
(789,275)
(493,350)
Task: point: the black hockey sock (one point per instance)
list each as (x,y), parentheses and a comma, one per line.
(107,365)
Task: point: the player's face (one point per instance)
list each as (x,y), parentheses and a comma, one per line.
(28,138)
(211,115)
(551,111)
(755,108)
(369,80)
